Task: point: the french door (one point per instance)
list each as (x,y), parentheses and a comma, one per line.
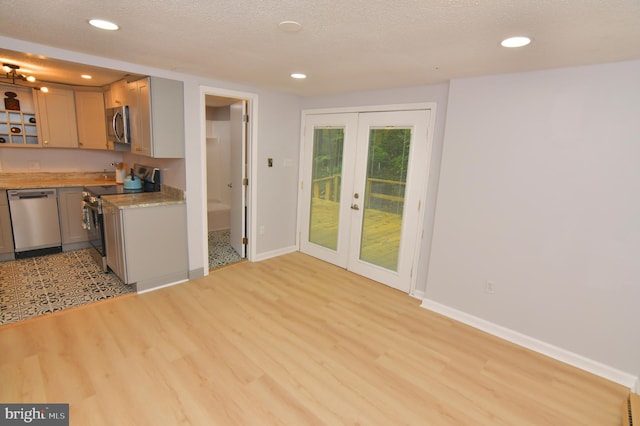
(364,177)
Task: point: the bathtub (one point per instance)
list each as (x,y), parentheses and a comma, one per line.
(218,215)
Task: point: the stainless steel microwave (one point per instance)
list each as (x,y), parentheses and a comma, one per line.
(118,125)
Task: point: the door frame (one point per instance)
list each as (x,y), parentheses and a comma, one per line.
(423,185)
(252,172)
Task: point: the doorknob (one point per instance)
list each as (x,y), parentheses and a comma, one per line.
(356,195)
(355,207)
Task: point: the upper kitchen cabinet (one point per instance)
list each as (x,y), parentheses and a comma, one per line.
(56,114)
(92,129)
(156,117)
(116,95)
(17,118)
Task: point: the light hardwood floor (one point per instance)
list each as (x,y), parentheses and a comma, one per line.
(288,341)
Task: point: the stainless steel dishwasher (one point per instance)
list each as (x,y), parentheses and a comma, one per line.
(35,221)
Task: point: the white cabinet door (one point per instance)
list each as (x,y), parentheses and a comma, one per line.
(69,204)
(116,95)
(56,118)
(140,117)
(92,128)
(156,117)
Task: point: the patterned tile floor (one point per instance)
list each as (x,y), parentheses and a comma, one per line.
(220,251)
(47,284)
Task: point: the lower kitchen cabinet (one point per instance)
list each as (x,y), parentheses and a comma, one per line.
(6,234)
(73,234)
(146,246)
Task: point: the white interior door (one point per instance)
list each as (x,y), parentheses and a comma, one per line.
(238,134)
(364,176)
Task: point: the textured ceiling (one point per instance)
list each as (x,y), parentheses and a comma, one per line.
(344,46)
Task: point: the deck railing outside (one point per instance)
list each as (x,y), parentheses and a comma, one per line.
(380,194)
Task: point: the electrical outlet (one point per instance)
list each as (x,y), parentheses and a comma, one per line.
(261,230)
(489,287)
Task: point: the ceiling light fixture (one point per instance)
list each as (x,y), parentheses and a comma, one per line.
(298,75)
(103,25)
(290,26)
(12,73)
(518,41)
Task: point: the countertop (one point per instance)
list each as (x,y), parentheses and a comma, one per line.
(144,199)
(168,195)
(53,180)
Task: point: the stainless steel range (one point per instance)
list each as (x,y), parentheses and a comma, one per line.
(92,218)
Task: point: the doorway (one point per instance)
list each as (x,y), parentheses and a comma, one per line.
(226,178)
(364,184)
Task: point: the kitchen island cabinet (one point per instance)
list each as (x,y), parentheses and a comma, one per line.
(56,118)
(156,117)
(146,245)
(6,234)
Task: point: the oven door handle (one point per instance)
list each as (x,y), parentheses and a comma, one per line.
(92,207)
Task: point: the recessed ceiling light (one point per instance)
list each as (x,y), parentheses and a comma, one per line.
(31,79)
(103,25)
(515,41)
(290,26)
(86,76)
(298,75)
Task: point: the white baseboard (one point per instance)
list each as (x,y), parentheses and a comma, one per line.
(147,290)
(578,361)
(417,294)
(274,253)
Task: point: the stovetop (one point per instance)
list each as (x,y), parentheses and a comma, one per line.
(150,183)
(100,190)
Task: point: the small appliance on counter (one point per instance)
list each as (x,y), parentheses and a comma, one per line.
(121,171)
(132,182)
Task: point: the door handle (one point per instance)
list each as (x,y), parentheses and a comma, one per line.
(355,207)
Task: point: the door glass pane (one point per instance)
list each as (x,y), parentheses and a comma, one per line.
(326,178)
(383,204)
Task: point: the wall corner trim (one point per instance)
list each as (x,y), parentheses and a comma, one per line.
(528,342)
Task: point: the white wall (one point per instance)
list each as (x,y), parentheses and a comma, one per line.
(435,93)
(540,193)
(278,133)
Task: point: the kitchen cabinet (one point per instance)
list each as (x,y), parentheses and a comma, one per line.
(56,118)
(116,95)
(146,246)
(18,128)
(73,234)
(6,234)
(156,117)
(90,117)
